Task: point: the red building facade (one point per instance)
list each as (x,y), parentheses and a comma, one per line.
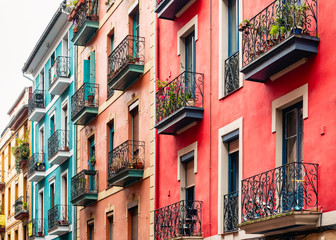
(245,117)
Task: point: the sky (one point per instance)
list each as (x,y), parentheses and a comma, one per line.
(22,22)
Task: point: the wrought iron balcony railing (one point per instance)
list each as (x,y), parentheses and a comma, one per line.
(86,96)
(276,22)
(84,182)
(231,66)
(131,50)
(186,90)
(36,163)
(231,212)
(59,141)
(291,187)
(58,216)
(87,11)
(128,155)
(20,207)
(60,69)
(36,100)
(179,219)
(35,228)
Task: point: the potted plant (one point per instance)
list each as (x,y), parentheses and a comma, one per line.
(21,152)
(24,205)
(90,100)
(40,166)
(93,160)
(244,25)
(130,59)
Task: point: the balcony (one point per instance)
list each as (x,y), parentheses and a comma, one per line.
(36,106)
(167,9)
(85,103)
(36,167)
(231,77)
(126,63)
(84,188)
(59,147)
(59,75)
(126,163)
(182,220)
(58,221)
(281,200)
(35,229)
(279,38)
(21,210)
(85,21)
(2,223)
(179,102)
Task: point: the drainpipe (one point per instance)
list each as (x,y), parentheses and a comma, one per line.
(74,170)
(157,136)
(210,97)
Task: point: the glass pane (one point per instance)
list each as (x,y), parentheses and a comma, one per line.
(189,42)
(291,150)
(301,147)
(233,27)
(291,119)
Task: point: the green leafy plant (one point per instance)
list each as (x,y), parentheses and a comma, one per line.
(93,160)
(244,24)
(21,151)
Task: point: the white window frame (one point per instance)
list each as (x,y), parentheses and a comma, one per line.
(64,173)
(223,153)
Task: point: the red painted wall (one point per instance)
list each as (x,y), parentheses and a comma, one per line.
(253,102)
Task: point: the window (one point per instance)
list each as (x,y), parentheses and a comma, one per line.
(111,135)
(41,140)
(90,230)
(90,69)
(9,237)
(92,152)
(110,47)
(16,191)
(41,81)
(189,182)
(133,223)
(65,124)
(134,121)
(41,209)
(25,188)
(16,235)
(3,204)
(52,195)
(134,17)
(9,205)
(190,53)
(293,134)
(109,226)
(52,125)
(9,157)
(64,193)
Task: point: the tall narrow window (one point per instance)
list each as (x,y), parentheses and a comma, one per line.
(90,69)
(41,81)
(16,191)
(3,204)
(52,125)
(110,46)
(65,124)
(233,27)
(111,136)
(90,230)
(190,53)
(293,134)
(64,199)
(135,30)
(109,226)
(16,235)
(9,205)
(52,195)
(133,223)
(9,157)
(41,141)
(134,121)
(189,182)
(41,210)
(25,189)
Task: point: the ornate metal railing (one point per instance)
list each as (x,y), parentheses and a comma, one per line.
(128,155)
(36,163)
(179,219)
(35,228)
(131,50)
(291,187)
(86,96)
(36,100)
(186,90)
(60,68)
(20,206)
(231,78)
(88,11)
(59,141)
(58,216)
(275,23)
(231,212)
(84,182)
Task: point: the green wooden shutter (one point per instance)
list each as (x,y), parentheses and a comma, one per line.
(92,67)
(86,74)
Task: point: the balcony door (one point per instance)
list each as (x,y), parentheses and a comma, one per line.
(92,166)
(292,157)
(233,33)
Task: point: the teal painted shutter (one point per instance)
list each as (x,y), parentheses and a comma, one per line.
(86,71)
(92,67)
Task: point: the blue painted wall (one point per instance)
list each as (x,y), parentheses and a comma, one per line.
(54,175)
